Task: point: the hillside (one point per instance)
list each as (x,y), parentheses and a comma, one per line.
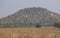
(29,17)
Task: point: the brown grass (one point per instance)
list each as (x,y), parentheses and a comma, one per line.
(29,32)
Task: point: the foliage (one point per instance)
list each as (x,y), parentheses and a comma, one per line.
(38,25)
(57,24)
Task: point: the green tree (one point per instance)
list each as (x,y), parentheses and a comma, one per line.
(57,24)
(38,25)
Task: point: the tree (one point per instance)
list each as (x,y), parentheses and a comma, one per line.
(57,24)
(38,25)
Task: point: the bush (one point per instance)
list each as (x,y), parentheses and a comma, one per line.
(38,25)
(57,24)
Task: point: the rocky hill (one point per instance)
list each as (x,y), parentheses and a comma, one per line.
(30,17)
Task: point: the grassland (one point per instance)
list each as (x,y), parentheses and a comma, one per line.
(29,32)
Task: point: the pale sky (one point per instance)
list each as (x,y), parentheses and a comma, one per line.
(8,7)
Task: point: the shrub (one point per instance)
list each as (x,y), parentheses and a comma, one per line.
(57,24)
(38,25)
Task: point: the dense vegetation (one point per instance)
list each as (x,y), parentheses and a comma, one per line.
(57,24)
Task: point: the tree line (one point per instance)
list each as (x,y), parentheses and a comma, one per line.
(56,25)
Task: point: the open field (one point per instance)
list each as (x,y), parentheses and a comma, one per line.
(29,32)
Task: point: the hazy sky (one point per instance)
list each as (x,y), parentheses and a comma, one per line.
(8,7)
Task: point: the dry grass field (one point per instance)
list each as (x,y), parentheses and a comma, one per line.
(29,32)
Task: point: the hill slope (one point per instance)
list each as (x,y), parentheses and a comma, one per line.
(29,17)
